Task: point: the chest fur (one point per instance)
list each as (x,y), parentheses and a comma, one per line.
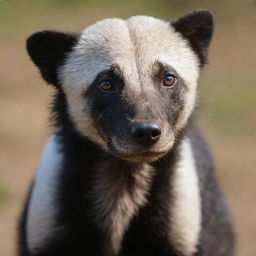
(118,192)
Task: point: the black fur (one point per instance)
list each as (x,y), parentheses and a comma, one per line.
(216,234)
(81,236)
(197,28)
(48,49)
(148,229)
(111,120)
(173,96)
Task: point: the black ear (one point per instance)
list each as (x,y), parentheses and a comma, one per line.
(197,28)
(48,49)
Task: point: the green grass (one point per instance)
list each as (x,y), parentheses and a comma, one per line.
(4,194)
(228,103)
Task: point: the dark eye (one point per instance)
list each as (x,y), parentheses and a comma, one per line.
(105,85)
(169,80)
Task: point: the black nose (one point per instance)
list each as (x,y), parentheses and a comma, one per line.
(146,133)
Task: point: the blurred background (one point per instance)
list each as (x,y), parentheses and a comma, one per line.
(227,94)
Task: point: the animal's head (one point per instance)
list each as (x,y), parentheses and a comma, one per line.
(130,85)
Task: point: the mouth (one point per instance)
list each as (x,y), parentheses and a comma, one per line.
(138,154)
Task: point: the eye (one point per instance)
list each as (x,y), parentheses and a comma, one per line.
(169,80)
(105,85)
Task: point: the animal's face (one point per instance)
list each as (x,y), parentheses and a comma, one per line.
(130,84)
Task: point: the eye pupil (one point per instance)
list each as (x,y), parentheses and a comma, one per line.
(169,80)
(105,85)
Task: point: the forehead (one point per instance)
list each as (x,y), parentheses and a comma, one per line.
(134,45)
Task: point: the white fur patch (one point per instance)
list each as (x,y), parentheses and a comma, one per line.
(134,45)
(118,196)
(185,210)
(42,207)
